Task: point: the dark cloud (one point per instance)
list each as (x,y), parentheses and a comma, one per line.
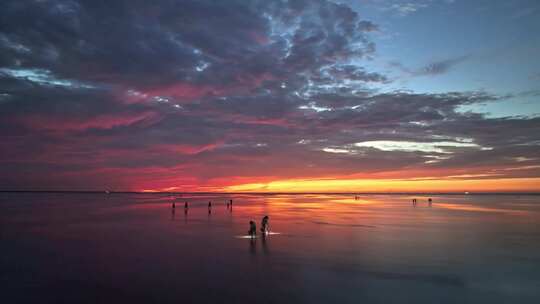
(132,94)
(534,76)
(432,68)
(440,67)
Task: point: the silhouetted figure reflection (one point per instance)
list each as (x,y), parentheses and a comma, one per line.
(252,229)
(172,214)
(264,244)
(252,246)
(265,228)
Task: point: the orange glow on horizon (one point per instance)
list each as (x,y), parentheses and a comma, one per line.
(391,185)
(329,185)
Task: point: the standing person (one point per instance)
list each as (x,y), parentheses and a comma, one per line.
(252,229)
(173,206)
(265,227)
(209,207)
(186,208)
(230,202)
(430,201)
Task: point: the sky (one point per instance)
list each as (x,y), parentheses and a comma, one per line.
(270,96)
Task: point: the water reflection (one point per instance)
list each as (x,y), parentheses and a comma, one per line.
(464,247)
(488,209)
(253,246)
(264,244)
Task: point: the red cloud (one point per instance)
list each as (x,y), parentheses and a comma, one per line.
(189,149)
(104,121)
(189,92)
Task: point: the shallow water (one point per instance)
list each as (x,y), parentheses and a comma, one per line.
(131,248)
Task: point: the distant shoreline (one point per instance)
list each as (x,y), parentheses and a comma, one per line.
(269,193)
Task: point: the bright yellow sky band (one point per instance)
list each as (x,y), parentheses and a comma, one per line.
(392,185)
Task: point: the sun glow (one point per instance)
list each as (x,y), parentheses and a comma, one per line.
(391,185)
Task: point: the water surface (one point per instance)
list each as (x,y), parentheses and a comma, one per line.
(132,248)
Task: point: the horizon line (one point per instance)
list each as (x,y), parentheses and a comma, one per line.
(280,192)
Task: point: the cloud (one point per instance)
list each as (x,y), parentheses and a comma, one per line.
(403,8)
(406,8)
(440,67)
(199,94)
(42,77)
(534,76)
(431,69)
(100,122)
(443,147)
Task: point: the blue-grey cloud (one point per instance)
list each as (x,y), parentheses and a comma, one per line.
(430,69)
(93,93)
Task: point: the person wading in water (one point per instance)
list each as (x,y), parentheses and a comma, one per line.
(265,227)
(252,229)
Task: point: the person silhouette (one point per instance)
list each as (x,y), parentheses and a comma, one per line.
(264,225)
(252,229)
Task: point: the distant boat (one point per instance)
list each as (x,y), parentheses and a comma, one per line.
(107,191)
(466,192)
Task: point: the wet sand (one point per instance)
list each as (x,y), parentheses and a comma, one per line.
(132,248)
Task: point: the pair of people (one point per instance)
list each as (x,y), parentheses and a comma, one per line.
(265,227)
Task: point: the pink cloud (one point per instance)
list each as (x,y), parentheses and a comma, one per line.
(186,92)
(104,121)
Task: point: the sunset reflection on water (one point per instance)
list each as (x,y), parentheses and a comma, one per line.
(327,247)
